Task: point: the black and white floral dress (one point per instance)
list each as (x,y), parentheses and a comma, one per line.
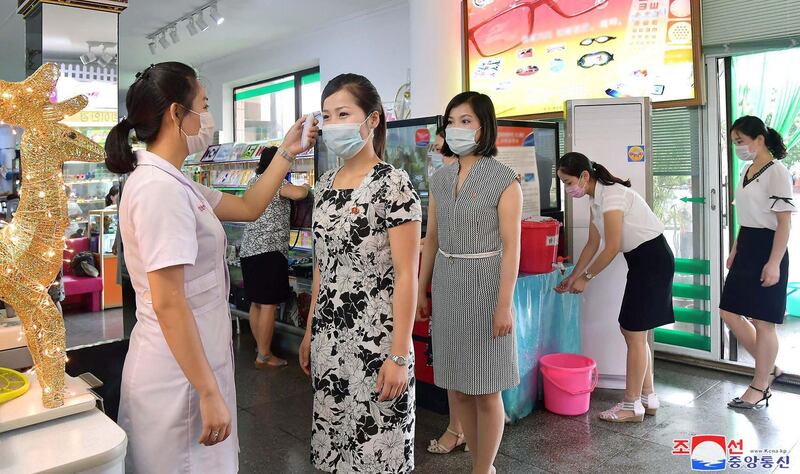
(351,332)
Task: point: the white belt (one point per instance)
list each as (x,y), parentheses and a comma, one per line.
(470,255)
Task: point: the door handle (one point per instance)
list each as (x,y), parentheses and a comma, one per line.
(713,199)
(724,206)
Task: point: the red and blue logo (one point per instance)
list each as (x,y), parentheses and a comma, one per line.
(422,137)
(708,453)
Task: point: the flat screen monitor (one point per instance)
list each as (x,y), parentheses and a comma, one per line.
(409,146)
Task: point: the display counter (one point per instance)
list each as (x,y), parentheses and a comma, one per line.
(88,442)
(73,438)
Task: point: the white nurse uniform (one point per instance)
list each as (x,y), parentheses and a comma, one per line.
(168,220)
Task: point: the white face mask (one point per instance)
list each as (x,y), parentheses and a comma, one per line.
(744,153)
(205,136)
(461,140)
(344,139)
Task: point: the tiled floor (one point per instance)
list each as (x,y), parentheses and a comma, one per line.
(275,417)
(85,329)
(789,337)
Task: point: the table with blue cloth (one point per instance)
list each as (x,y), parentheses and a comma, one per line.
(546,322)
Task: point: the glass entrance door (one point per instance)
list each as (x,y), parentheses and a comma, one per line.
(749,86)
(681,200)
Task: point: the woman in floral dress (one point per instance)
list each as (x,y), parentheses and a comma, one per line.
(357,347)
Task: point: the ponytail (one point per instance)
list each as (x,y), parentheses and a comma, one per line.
(574,164)
(774,143)
(604,176)
(120,158)
(379,136)
(753,127)
(149,98)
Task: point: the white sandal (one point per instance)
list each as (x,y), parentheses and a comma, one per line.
(651,404)
(438,448)
(636,407)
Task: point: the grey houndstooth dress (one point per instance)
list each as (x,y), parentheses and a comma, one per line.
(465,356)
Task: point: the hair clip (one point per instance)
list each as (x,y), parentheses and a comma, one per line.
(145,73)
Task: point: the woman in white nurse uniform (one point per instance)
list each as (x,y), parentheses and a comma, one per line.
(178,401)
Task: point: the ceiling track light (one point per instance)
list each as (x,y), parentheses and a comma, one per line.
(195,23)
(191,27)
(88,58)
(214,14)
(101,53)
(200,21)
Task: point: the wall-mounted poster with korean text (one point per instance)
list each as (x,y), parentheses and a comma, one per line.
(530,56)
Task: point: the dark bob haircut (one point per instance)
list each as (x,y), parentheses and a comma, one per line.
(483,108)
(266,159)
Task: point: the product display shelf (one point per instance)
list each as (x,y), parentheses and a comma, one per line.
(229,168)
(89,184)
(291,316)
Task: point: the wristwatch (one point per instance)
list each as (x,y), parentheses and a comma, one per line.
(399,360)
(588,276)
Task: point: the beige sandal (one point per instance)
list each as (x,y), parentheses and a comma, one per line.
(613,416)
(438,448)
(264,362)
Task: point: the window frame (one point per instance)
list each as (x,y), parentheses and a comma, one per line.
(298,97)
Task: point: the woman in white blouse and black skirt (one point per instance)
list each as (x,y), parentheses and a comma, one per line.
(754,296)
(621,218)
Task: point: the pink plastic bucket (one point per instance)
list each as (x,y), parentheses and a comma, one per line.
(569,380)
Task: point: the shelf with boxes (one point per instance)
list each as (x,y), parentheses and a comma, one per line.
(230,168)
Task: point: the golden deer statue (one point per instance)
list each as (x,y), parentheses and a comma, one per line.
(32,245)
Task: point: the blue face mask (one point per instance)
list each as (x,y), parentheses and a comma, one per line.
(344,139)
(461,140)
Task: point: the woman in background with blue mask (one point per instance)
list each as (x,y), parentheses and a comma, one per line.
(357,347)
(472,253)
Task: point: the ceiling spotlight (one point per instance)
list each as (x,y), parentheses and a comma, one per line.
(214,14)
(174,35)
(191,27)
(163,41)
(88,58)
(152,46)
(200,22)
(107,58)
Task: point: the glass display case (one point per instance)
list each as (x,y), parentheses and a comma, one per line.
(103,225)
(88,185)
